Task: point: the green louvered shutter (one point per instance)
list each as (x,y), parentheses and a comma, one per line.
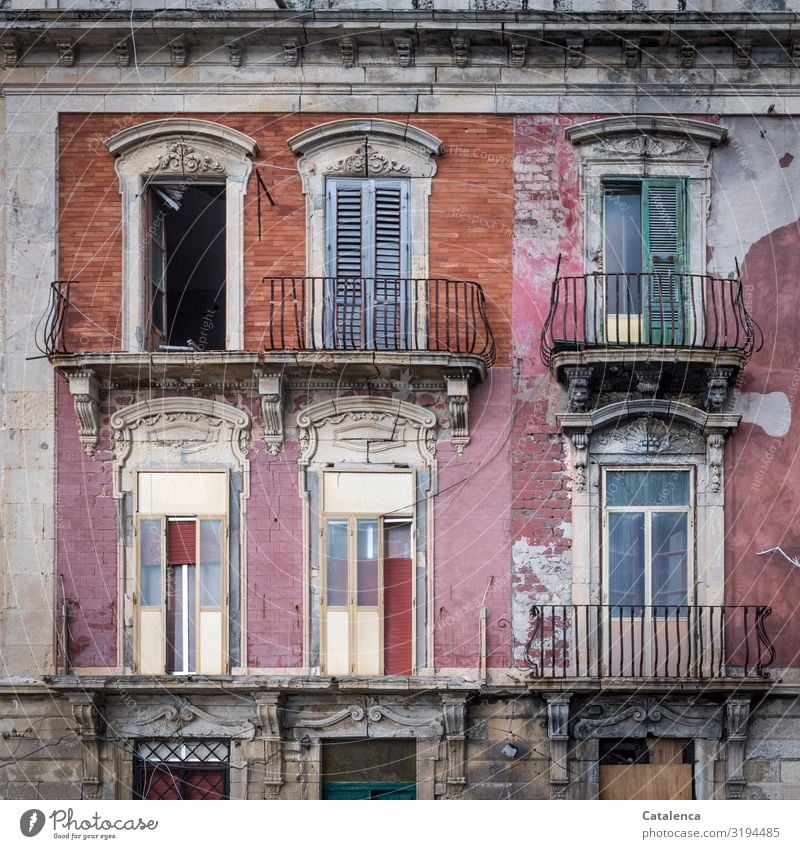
(663,214)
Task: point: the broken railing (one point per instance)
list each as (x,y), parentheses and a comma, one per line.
(648,310)
(648,641)
(378,314)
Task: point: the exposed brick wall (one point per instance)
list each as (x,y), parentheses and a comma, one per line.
(471,208)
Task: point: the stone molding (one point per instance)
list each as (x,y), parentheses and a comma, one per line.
(655,126)
(85,390)
(458,407)
(558,734)
(366,713)
(177,716)
(270,391)
(737,716)
(646,715)
(89,724)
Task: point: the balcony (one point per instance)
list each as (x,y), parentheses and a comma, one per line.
(649,333)
(648,643)
(361,327)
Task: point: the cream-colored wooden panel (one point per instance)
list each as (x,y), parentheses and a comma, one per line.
(183,493)
(623,328)
(368,643)
(337,642)
(368,492)
(151,642)
(211,643)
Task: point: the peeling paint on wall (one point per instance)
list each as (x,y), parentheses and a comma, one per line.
(772,411)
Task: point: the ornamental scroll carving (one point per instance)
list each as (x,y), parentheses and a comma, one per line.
(643,146)
(182,158)
(649,435)
(374,164)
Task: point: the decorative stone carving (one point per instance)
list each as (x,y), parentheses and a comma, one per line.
(235,52)
(373,163)
(458,406)
(453,714)
(579,390)
(794,52)
(715,458)
(269,707)
(646,715)
(687,54)
(89,722)
(737,715)
(85,391)
(580,459)
(270,389)
(348,50)
(182,158)
(66,54)
(460,51)
(291,52)
(122,50)
(643,146)
(404,48)
(649,435)
(361,428)
(742,53)
(558,733)
(632,52)
(177,717)
(518,52)
(368,711)
(647,381)
(575,52)
(11,53)
(716,391)
(178,52)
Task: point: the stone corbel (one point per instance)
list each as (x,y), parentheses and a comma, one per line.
(11,53)
(89,727)
(291,52)
(178,52)
(579,388)
(66,54)
(580,459)
(404,47)
(737,715)
(122,50)
(647,381)
(633,52)
(716,389)
(85,391)
(235,53)
(348,51)
(558,733)
(454,716)
(742,53)
(461,51)
(687,54)
(458,407)
(517,52)
(269,706)
(715,453)
(270,390)
(575,52)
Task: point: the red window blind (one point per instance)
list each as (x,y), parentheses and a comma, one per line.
(181,542)
(397,612)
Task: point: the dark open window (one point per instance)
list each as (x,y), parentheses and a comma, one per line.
(187,266)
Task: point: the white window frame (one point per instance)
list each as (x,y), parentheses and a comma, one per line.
(206,152)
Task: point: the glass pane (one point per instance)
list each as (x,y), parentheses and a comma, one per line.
(367,543)
(396,539)
(647,489)
(181,626)
(150,541)
(211,563)
(336,560)
(622,222)
(626,558)
(670,558)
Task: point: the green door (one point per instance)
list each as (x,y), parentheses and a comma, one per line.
(368,790)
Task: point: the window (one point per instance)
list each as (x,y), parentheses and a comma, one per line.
(644,260)
(182,576)
(193,770)
(367,297)
(368,587)
(648,588)
(187,267)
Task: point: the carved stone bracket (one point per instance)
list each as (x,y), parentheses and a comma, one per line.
(458,406)
(122,50)
(575,52)
(716,391)
(291,52)
(737,715)
(404,47)
(66,54)
(579,389)
(687,54)
(633,52)
(269,707)
(454,716)
(89,727)
(348,50)
(85,391)
(178,52)
(558,733)
(715,454)
(580,459)
(742,53)
(235,52)
(270,390)
(11,53)
(461,51)
(647,381)
(517,52)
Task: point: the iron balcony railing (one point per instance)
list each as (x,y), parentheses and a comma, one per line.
(648,641)
(378,314)
(49,335)
(648,310)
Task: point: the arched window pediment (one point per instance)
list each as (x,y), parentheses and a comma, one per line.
(643,135)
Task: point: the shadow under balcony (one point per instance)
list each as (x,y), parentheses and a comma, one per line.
(648,645)
(651,334)
(312,327)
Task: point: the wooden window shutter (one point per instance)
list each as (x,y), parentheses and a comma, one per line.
(347,205)
(389,203)
(397,615)
(181,542)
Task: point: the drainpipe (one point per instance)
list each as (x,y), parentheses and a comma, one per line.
(482,630)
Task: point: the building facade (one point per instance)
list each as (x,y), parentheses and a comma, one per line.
(398,401)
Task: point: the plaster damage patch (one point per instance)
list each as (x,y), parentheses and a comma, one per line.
(771,412)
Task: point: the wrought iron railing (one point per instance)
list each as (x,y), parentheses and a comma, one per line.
(49,335)
(647,641)
(648,310)
(378,314)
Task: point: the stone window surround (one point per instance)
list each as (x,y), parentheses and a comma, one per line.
(208,153)
(335,149)
(640,146)
(705,459)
